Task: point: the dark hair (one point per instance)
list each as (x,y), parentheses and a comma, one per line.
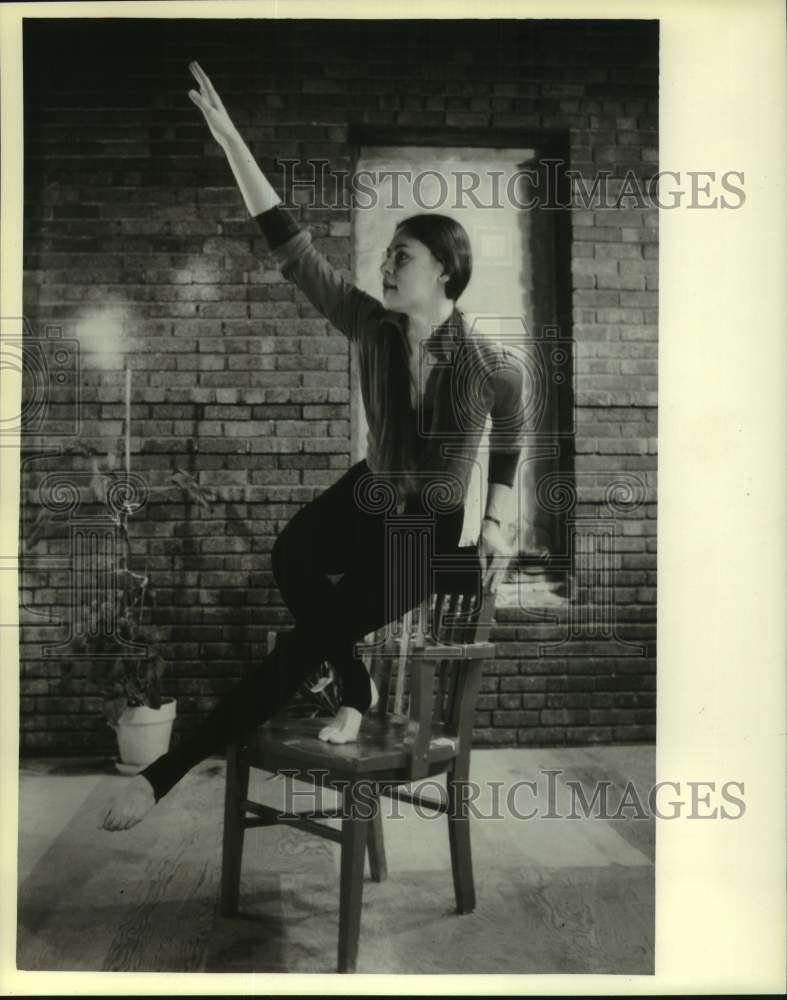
(448,242)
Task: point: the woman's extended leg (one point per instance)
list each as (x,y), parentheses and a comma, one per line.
(332,619)
(255,698)
(319,539)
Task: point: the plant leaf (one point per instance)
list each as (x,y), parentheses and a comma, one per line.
(40,522)
(114,708)
(80,448)
(186,481)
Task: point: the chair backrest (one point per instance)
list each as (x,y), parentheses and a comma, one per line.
(408,668)
(414,677)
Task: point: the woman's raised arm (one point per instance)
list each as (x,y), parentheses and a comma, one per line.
(347,307)
(257,191)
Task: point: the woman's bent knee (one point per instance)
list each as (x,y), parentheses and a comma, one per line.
(285,554)
(278,557)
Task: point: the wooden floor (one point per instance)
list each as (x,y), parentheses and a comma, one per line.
(554,895)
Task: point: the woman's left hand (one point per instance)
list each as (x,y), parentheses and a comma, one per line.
(494,553)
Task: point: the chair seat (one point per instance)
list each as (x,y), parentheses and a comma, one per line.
(384,744)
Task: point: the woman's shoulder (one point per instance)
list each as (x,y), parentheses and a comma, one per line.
(386,320)
(377,335)
(482,340)
(494,356)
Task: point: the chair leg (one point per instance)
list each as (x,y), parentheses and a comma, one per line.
(459,842)
(236,790)
(376,846)
(355,835)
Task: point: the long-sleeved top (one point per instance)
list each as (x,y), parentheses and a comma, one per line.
(472,376)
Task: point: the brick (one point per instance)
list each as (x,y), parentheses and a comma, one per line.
(634,282)
(520,718)
(596,297)
(525,684)
(508,702)
(585,735)
(494,737)
(564,716)
(628,254)
(466,119)
(248,428)
(541,736)
(591,266)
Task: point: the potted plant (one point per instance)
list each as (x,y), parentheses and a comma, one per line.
(118,636)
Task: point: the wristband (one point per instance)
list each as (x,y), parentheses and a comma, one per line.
(494,520)
(277,224)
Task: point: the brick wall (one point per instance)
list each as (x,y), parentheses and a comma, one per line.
(130,206)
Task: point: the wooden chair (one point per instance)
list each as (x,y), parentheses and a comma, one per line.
(421,727)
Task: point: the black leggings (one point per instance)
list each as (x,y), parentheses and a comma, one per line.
(346,530)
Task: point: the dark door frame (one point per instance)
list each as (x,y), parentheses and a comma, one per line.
(552,155)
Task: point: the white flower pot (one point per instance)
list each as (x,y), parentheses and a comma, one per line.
(143,733)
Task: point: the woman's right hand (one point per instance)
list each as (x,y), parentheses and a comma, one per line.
(209,103)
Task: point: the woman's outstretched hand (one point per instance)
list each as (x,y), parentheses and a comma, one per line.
(494,554)
(209,103)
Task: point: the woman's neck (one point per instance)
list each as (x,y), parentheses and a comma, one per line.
(421,323)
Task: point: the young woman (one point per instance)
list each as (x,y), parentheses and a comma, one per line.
(412,409)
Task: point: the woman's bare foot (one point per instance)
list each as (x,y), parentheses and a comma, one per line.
(133,805)
(345,727)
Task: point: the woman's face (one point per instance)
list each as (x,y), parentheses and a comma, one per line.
(412,276)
